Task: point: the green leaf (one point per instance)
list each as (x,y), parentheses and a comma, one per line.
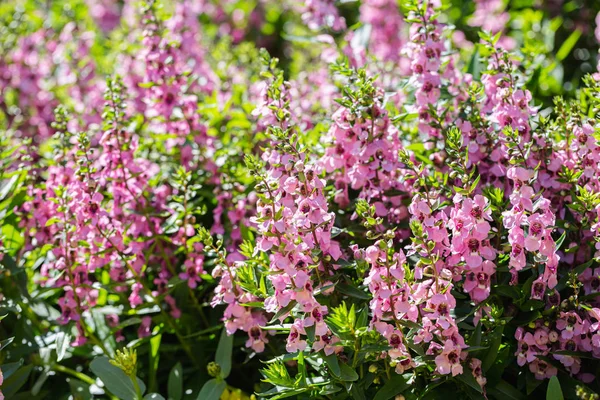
(348,373)
(80,390)
(39,383)
(505,391)
(554,390)
(8,187)
(9,369)
(475,339)
(153,396)
(302,369)
(580,354)
(224,350)
(468,379)
(357,392)
(352,291)
(568,45)
(290,393)
(52,221)
(175,384)
(115,379)
(6,342)
(393,387)
(63,342)
(494,343)
(474,67)
(332,362)
(284,311)
(531,383)
(154,357)
(12,385)
(560,240)
(212,390)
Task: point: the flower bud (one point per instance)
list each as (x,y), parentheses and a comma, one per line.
(213,369)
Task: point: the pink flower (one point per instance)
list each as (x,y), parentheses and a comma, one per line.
(449,360)
(256,339)
(294,341)
(477,281)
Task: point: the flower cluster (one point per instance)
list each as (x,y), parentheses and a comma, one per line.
(380,198)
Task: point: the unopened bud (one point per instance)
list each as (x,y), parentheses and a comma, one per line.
(213,369)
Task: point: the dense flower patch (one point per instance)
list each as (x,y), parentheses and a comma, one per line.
(359,199)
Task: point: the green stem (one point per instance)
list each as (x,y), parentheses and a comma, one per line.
(136,385)
(79,375)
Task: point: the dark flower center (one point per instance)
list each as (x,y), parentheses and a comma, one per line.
(473,244)
(476,212)
(453,357)
(317,314)
(482,277)
(395,340)
(538,288)
(517,249)
(255,333)
(536,228)
(443,309)
(326,338)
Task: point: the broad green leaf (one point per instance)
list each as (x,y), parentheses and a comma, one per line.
(175,384)
(568,45)
(154,356)
(212,390)
(531,383)
(80,390)
(332,362)
(63,342)
(224,350)
(504,390)
(284,311)
(467,378)
(494,344)
(13,384)
(302,369)
(153,396)
(393,387)
(9,369)
(554,391)
(115,379)
(352,291)
(39,383)
(348,374)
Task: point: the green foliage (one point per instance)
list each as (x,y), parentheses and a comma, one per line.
(555,50)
